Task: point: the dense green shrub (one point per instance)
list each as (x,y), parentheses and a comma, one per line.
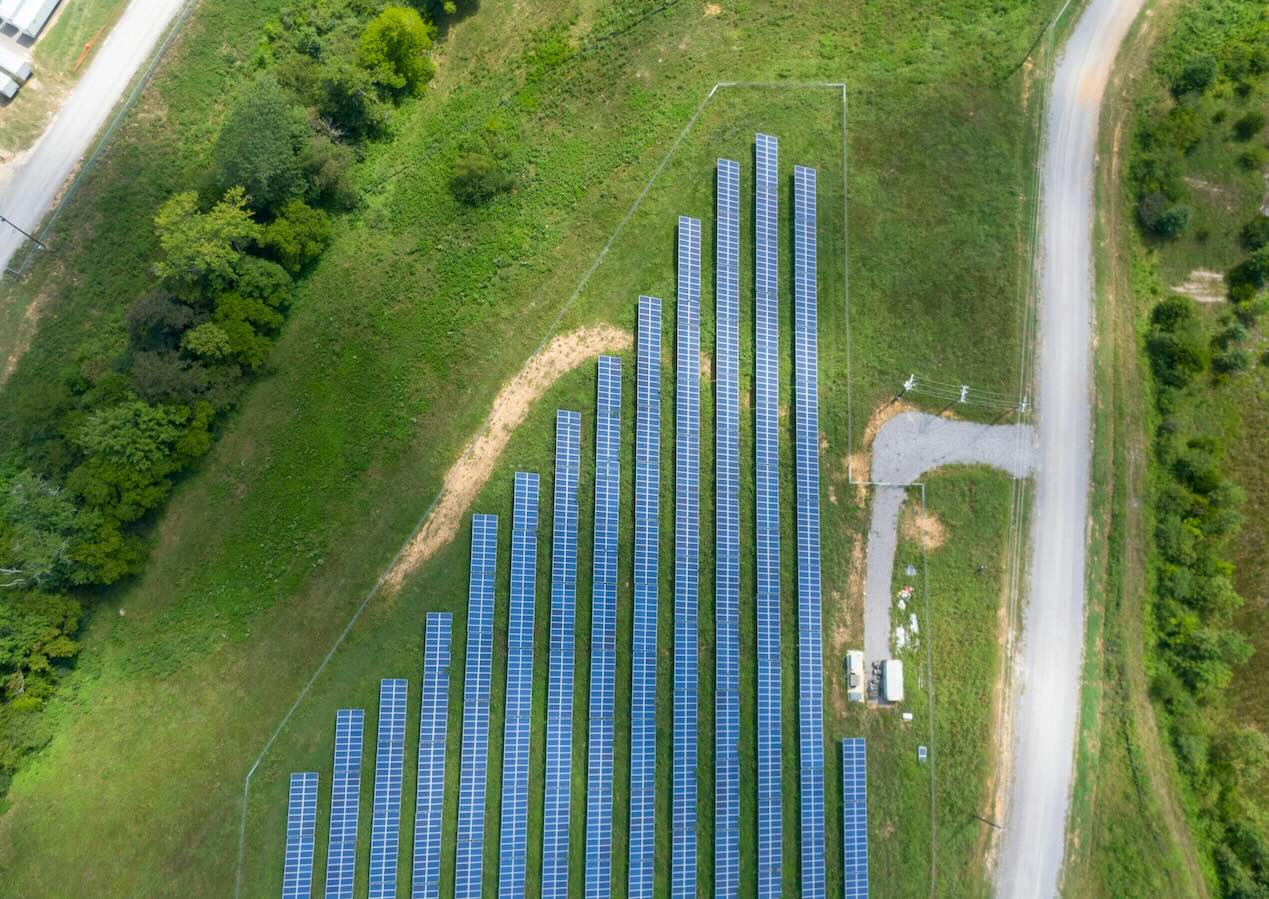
(394,49)
(1161,217)
(1249,125)
(478,178)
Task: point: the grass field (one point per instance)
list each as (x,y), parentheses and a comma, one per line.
(265,552)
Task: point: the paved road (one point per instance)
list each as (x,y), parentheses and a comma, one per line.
(31,185)
(906,447)
(1047,674)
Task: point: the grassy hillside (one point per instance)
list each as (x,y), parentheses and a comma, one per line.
(420,309)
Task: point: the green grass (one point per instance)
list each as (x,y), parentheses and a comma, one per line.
(264,552)
(949,674)
(53,60)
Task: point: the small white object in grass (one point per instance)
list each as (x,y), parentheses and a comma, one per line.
(907,716)
(121,611)
(922,754)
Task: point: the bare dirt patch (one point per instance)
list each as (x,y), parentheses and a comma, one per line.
(1203,286)
(476,462)
(922,527)
(712,9)
(707,366)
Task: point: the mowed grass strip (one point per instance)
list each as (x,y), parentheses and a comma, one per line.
(265,552)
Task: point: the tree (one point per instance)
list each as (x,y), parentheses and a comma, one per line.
(40,526)
(349,97)
(478,179)
(207,341)
(1255,234)
(297,236)
(262,279)
(260,145)
(167,377)
(393,50)
(155,319)
(36,629)
(201,248)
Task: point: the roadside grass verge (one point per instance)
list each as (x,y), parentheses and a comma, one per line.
(266,550)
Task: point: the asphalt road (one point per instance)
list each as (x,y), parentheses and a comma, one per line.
(1047,672)
(32,184)
(905,448)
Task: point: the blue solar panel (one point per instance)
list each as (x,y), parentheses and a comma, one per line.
(515,753)
(474,773)
(767,520)
(643,694)
(855,818)
(301,823)
(559,701)
(385,827)
(807,431)
(687,432)
(433,720)
(727,537)
(345,799)
(603,640)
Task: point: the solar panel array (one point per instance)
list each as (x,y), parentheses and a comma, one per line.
(513,852)
(603,641)
(807,431)
(301,825)
(727,536)
(345,800)
(767,486)
(687,430)
(559,711)
(855,818)
(433,719)
(385,824)
(474,773)
(643,693)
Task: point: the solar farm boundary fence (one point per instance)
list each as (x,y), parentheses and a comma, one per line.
(377,587)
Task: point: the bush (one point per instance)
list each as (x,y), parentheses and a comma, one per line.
(201,249)
(328,165)
(260,144)
(1232,361)
(1196,76)
(1255,234)
(394,48)
(1249,125)
(478,179)
(1159,216)
(1253,159)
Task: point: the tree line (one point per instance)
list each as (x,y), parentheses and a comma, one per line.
(1215,65)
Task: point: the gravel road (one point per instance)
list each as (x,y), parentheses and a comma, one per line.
(1047,667)
(32,183)
(905,448)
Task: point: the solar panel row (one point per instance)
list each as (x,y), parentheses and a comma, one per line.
(345,800)
(687,428)
(727,536)
(559,711)
(807,432)
(385,826)
(301,825)
(855,818)
(603,647)
(643,705)
(513,847)
(474,773)
(767,518)
(433,720)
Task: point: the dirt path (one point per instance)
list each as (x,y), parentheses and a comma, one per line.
(475,464)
